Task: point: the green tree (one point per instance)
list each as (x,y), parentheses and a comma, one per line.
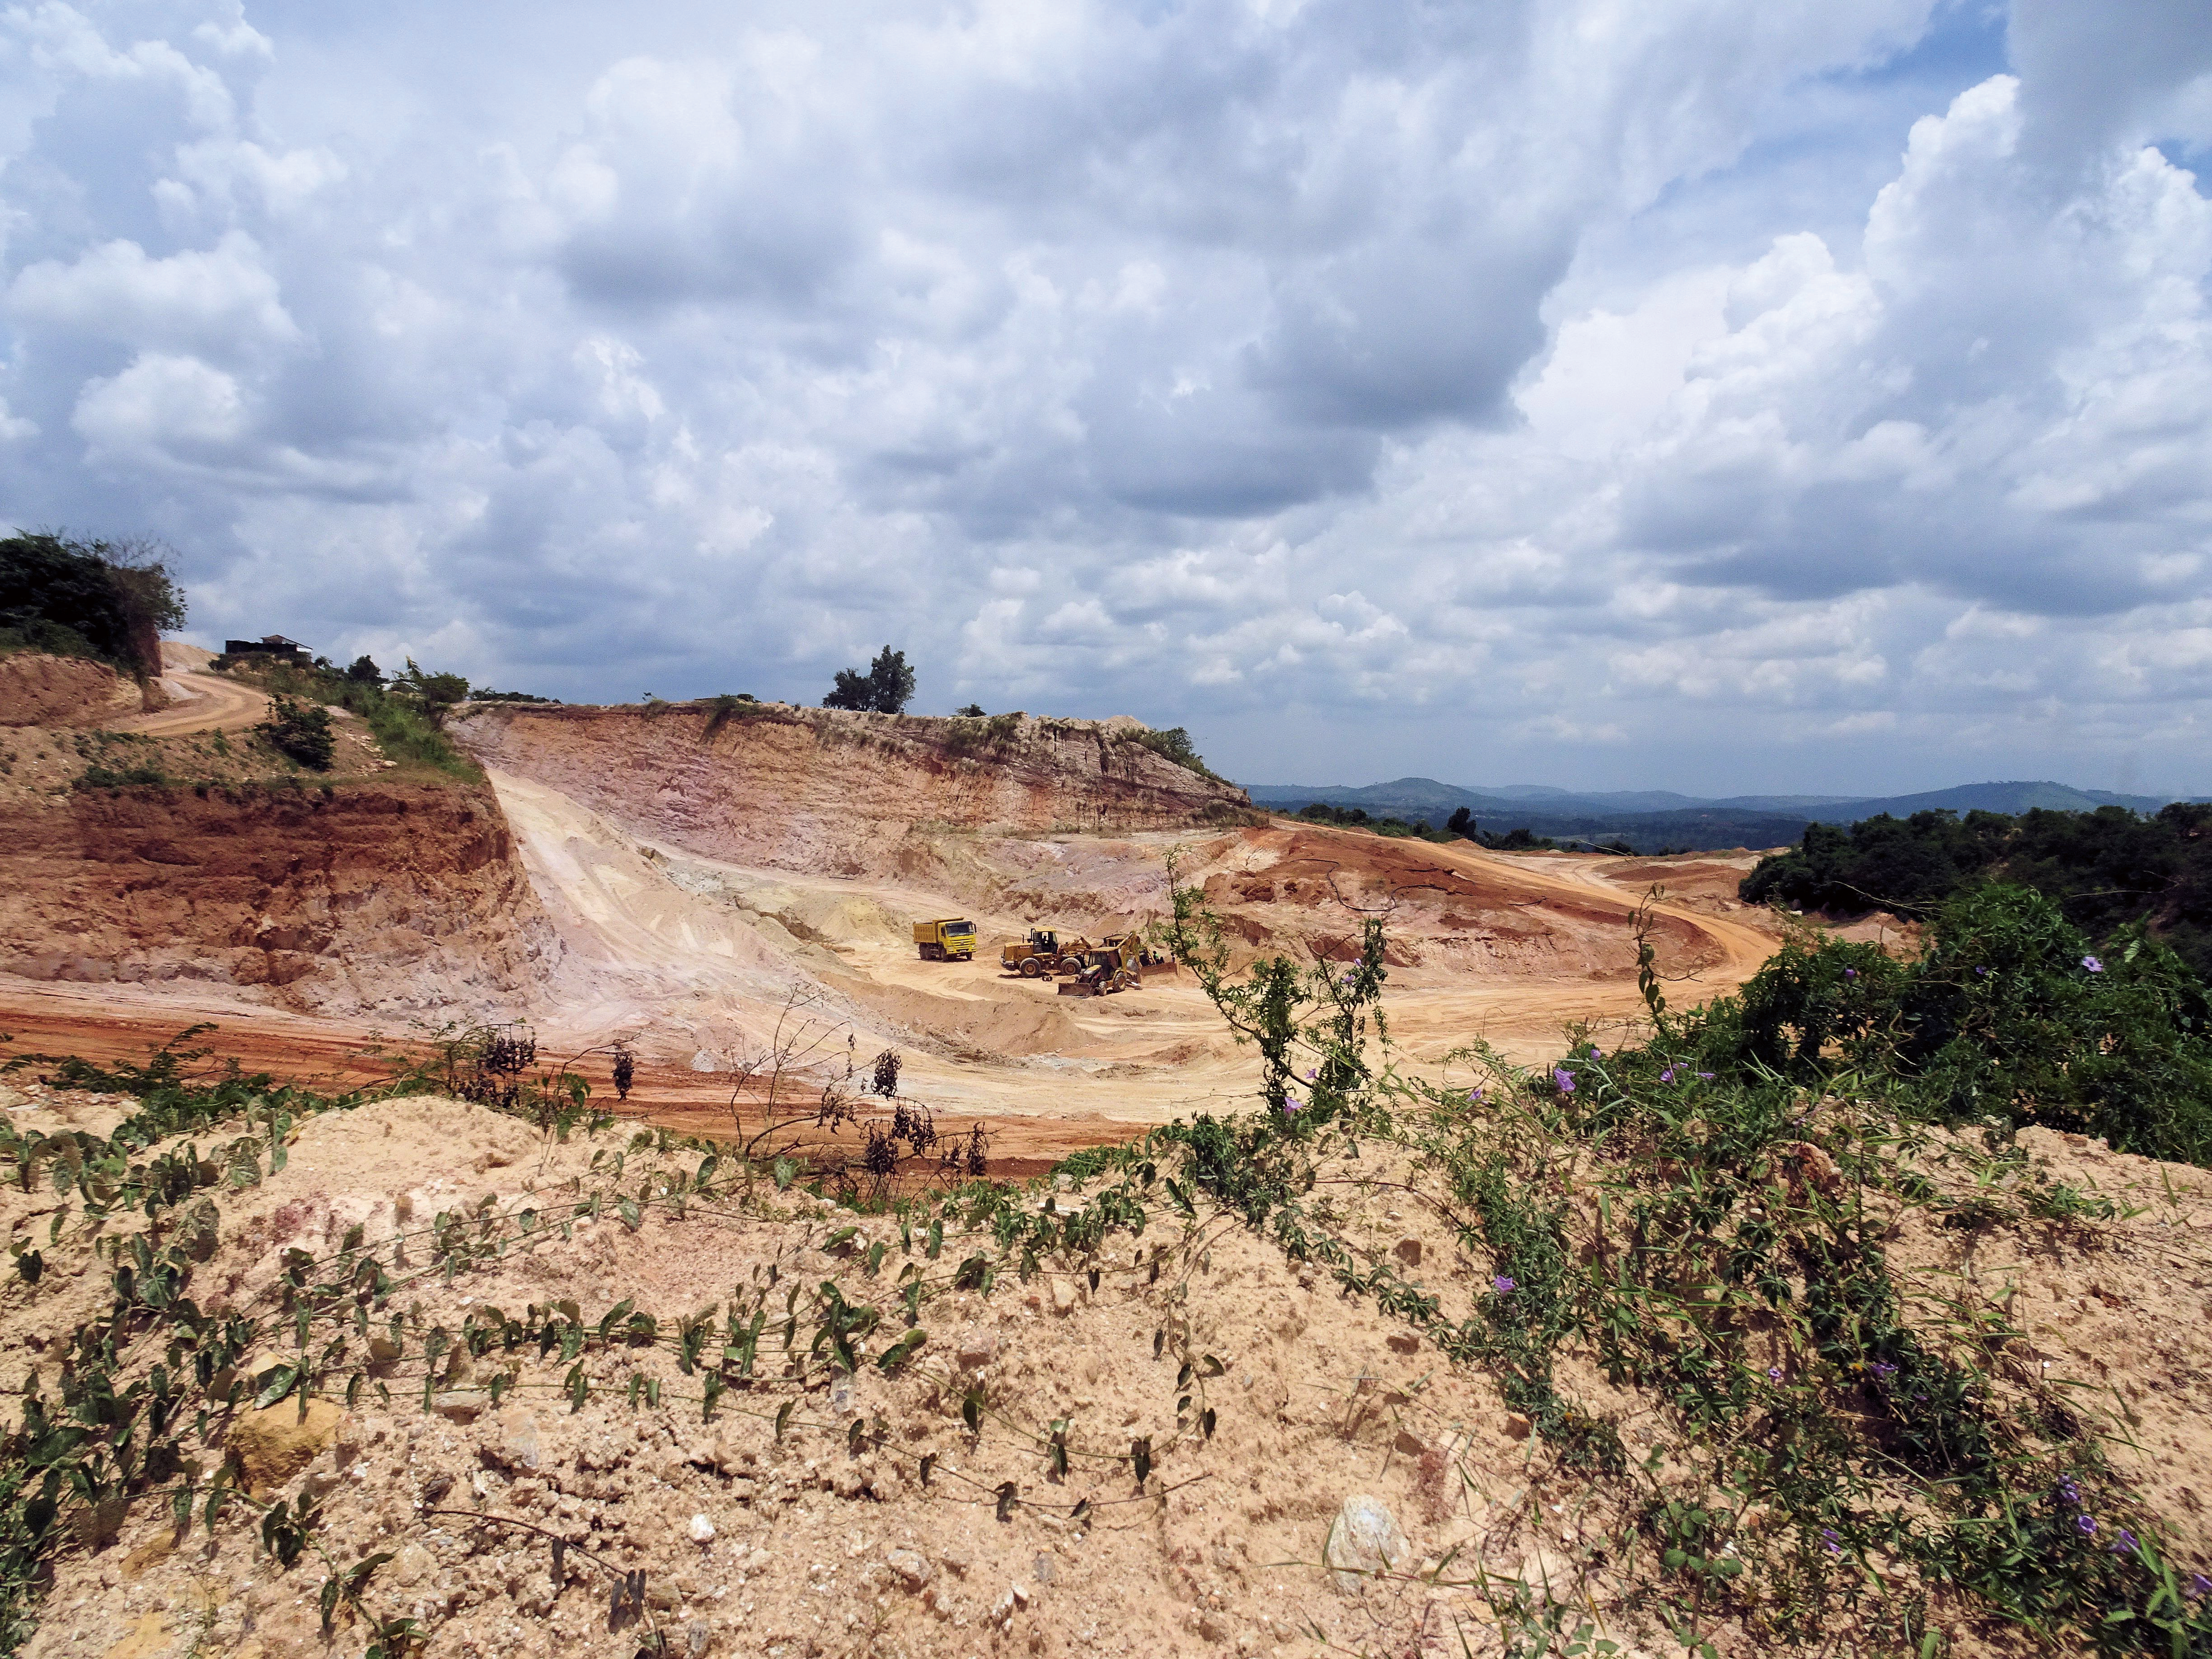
(103,599)
(437,693)
(885,689)
(365,672)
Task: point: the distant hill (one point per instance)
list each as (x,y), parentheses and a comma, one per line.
(1650,819)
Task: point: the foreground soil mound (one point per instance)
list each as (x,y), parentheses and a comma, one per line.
(452,1380)
(831,792)
(370,899)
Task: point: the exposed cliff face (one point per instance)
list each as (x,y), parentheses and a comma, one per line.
(370,901)
(38,689)
(832,792)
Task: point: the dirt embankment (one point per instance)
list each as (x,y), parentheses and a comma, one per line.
(831,793)
(375,900)
(37,690)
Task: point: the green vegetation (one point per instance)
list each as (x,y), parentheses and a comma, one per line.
(885,689)
(2010,1017)
(1458,827)
(1175,744)
(302,731)
(407,717)
(2105,870)
(107,601)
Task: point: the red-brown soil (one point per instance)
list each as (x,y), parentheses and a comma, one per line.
(386,899)
(37,690)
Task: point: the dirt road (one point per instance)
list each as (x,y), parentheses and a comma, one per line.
(199,701)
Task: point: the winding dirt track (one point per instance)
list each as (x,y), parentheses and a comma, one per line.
(198,700)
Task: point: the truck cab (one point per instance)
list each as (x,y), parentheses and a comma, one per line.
(945,938)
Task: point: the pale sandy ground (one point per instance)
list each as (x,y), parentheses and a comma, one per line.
(694,959)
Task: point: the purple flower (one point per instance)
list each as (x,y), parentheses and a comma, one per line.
(2092,964)
(1290,1105)
(1310,1076)
(1883,1368)
(1596,1052)
(1851,973)
(1981,973)
(1564,1079)
(2069,1493)
(1501,1284)
(2086,1525)
(2124,1544)
(1774,1373)
(1667,1076)
(1705,1077)
(1830,1542)
(2199,1584)
(1475,1097)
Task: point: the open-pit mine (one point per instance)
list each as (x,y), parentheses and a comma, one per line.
(698,883)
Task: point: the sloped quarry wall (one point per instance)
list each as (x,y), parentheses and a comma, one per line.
(380,900)
(833,793)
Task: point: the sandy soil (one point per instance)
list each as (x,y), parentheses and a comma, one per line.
(812,1513)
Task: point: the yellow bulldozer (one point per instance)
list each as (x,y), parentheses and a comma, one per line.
(945,939)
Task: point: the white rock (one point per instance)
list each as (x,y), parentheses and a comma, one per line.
(912,1570)
(1363,1540)
(704,1061)
(702,1530)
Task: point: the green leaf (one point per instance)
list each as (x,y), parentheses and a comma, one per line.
(900,1351)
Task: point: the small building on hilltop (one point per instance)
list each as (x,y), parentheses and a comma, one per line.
(269,645)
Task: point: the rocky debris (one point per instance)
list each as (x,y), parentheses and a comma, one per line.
(276,1442)
(702,1529)
(911,1567)
(1362,1542)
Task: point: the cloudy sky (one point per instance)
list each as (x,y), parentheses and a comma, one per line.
(1723,395)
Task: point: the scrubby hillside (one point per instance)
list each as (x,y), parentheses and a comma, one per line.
(828,791)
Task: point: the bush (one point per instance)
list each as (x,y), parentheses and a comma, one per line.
(105,601)
(302,730)
(99,776)
(885,689)
(2011,1016)
(1175,744)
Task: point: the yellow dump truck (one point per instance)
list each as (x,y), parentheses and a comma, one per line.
(945,939)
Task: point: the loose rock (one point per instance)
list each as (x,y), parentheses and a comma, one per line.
(1363,1541)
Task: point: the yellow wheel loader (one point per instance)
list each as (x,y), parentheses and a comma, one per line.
(945,939)
(1041,951)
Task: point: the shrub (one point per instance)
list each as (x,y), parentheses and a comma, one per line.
(302,730)
(1175,744)
(2011,1016)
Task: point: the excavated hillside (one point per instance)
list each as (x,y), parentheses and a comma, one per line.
(831,792)
(373,899)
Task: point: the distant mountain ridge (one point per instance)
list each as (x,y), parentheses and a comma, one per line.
(1651,818)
